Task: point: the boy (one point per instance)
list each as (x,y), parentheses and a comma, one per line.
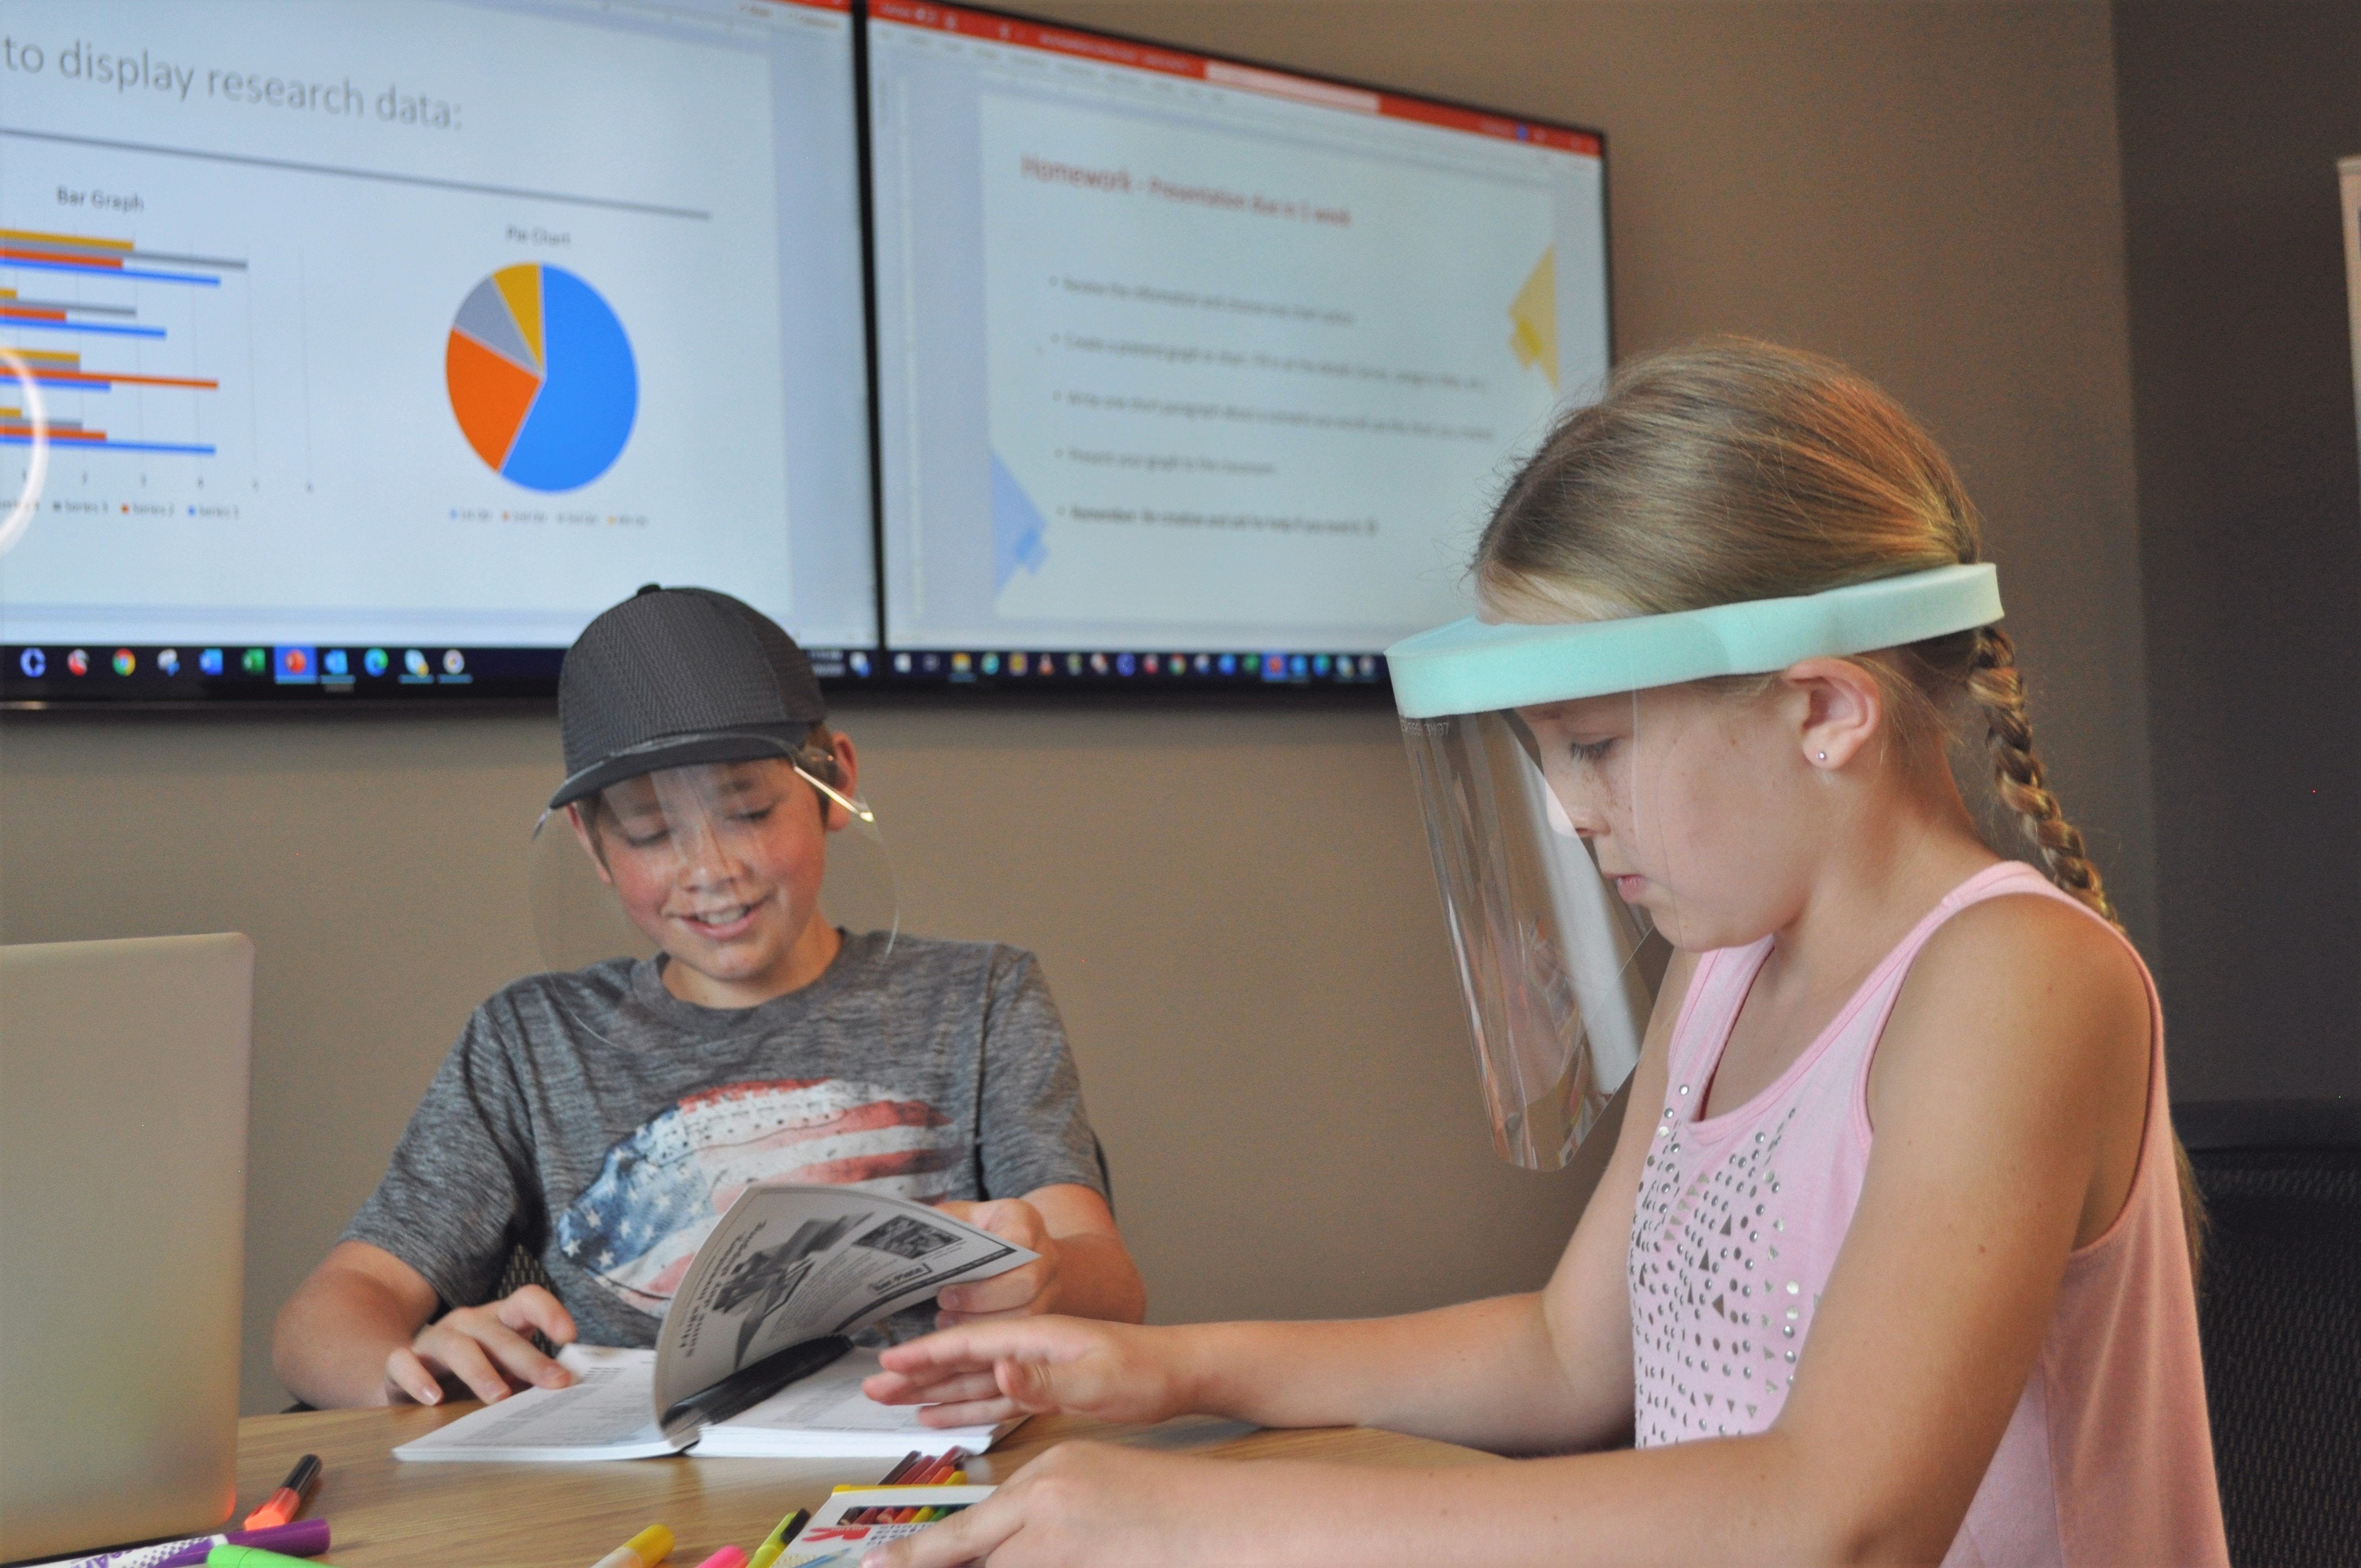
(601,1119)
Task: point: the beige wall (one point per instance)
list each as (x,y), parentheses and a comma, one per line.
(1235,907)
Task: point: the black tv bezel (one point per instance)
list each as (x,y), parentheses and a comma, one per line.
(508,678)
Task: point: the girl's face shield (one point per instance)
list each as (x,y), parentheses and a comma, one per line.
(1558,969)
(1574,851)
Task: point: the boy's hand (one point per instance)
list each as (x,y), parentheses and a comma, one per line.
(990,1372)
(485,1348)
(1024,1292)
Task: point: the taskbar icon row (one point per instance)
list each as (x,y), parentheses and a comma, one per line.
(41,674)
(279,664)
(959,666)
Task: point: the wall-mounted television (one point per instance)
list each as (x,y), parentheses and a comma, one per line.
(383,345)
(380,343)
(1194,370)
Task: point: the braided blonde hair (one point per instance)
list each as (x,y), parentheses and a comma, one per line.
(1998,692)
(1736,470)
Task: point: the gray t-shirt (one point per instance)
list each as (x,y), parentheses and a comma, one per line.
(604,1124)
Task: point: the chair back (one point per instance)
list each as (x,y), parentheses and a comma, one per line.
(2279,1321)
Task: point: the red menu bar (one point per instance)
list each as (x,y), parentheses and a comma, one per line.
(1222,73)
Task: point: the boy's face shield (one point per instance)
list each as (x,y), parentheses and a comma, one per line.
(1558,969)
(723,864)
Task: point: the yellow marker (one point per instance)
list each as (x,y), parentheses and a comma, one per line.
(645,1550)
(775,1543)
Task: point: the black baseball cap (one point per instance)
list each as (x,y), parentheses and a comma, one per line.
(673,676)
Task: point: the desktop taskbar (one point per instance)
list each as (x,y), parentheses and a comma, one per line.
(97,673)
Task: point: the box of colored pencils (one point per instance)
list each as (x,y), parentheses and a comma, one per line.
(852,1521)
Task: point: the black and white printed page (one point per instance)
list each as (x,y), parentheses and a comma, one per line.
(790,1263)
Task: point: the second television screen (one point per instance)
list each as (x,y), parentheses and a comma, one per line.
(1179,355)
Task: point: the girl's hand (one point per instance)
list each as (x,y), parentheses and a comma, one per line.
(1022,1292)
(1084,1503)
(485,1348)
(986,1373)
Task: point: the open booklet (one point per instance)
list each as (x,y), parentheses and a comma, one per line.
(753,1358)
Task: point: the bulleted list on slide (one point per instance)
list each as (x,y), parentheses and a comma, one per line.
(1245,380)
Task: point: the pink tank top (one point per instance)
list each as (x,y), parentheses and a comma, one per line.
(2107,1458)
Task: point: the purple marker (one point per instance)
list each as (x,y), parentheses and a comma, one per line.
(304,1537)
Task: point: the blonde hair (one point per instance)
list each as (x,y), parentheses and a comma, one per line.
(1735,470)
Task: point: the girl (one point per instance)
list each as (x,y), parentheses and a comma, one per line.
(1889,1263)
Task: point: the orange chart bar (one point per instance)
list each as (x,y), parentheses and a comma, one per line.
(57,432)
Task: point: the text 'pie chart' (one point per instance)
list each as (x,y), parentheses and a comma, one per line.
(542,376)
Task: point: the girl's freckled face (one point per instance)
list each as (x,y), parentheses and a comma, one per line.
(1683,795)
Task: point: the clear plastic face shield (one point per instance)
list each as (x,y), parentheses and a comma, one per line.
(732,867)
(1559,972)
(1589,808)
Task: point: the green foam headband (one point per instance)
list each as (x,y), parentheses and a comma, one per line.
(1475,666)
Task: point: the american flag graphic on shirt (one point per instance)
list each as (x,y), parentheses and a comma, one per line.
(661,1190)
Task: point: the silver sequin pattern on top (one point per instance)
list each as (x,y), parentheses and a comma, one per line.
(1708,1293)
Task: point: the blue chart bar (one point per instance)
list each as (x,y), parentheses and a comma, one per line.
(21,323)
(85,270)
(110,445)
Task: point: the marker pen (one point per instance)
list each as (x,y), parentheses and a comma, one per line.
(775,1543)
(304,1537)
(250,1557)
(645,1550)
(293,1493)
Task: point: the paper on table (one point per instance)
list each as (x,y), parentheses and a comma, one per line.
(605,1414)
(826,1416)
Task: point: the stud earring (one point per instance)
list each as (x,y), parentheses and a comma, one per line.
(1824,756)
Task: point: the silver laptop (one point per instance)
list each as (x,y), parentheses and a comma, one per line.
(123,1098)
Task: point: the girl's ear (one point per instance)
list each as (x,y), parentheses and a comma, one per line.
(587,837)
(1843,708)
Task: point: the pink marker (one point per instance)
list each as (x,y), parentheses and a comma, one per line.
(728,1557)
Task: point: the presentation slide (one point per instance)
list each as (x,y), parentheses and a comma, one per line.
(1246,362)
(420,322)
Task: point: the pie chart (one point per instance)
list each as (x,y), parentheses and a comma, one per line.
(542,376)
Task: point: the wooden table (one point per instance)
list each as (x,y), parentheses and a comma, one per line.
(384,1510)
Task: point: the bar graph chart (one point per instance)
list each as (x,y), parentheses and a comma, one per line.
(32,314)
